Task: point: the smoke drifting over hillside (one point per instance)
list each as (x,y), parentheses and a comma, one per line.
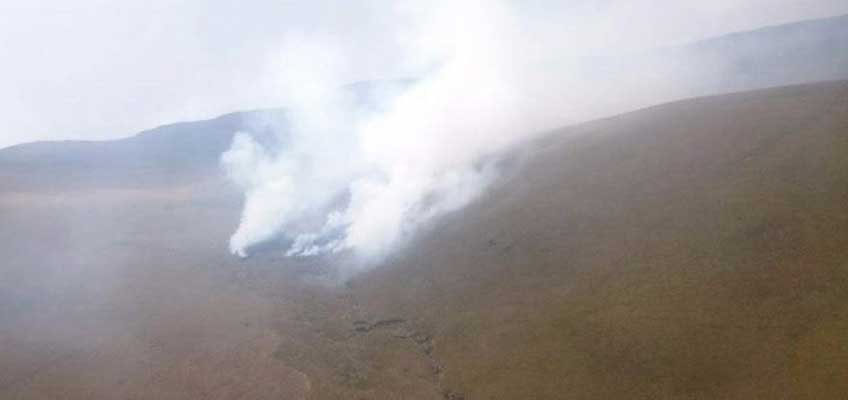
(348,176)
(415,158)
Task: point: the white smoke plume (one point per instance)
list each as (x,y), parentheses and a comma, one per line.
(415,159)
(489,74)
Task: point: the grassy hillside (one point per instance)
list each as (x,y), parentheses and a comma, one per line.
(694,250)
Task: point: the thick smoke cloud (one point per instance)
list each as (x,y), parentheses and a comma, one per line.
(348,176)
(417,157)
(351,176)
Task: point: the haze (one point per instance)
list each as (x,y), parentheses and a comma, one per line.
(102,70)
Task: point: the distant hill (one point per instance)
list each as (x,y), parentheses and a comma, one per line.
(800,52)
(807,51)
(170,153)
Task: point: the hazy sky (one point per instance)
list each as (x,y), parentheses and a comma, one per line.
(98,69)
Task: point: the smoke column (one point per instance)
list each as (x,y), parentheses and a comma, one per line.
(397,168)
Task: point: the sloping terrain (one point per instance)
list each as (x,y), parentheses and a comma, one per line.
(170,154)
(694,250)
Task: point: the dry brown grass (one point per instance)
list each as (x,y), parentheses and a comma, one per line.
(695,250)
